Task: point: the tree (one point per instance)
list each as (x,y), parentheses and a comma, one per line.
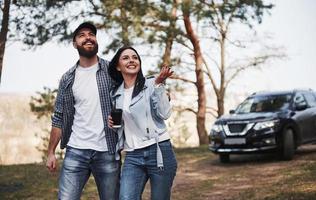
(167,26)
(43,106)
(50,20)
(5,8)
(170,34)
(19,18)
(201,112)
(221,16)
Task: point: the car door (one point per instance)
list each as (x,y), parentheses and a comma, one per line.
(311,110)
(302,116)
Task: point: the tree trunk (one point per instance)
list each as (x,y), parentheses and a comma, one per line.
(124,24)
(200,118)
(4,31)
(170,35)
(222,87)
(220,105)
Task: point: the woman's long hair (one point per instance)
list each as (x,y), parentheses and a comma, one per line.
(117,75)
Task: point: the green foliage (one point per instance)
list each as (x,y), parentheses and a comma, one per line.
(34,23)
(43,104)
(128,22)
(242,11)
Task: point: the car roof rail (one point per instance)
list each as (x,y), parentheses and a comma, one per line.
(303,89)
(259,92)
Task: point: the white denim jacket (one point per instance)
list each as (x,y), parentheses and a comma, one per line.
(149,109)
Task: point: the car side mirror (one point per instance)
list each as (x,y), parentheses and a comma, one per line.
(300,106)
(231,111)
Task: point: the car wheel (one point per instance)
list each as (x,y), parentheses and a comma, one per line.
(224,158)
(288,146)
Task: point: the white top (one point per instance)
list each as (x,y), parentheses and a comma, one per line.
(88,126)
(133,139)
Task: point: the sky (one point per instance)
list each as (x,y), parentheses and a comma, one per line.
(293,26)
(291,23)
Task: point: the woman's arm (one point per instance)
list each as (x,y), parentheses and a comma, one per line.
(160,103)
(159,100)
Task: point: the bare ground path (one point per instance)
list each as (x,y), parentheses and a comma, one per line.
(202,176)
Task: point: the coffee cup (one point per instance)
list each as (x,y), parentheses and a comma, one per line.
(116,115)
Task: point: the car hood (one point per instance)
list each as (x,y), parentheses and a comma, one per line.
(262,116)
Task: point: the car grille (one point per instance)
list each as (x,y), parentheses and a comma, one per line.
(236,128)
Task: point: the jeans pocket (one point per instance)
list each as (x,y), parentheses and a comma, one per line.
(70,151)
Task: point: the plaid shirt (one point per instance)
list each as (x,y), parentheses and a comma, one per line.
(64,112)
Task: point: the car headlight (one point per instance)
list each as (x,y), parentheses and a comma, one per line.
(266,124)
(217,128)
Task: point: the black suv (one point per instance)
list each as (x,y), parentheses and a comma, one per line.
(266,121)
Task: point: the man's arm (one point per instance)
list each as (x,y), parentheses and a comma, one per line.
(54,139)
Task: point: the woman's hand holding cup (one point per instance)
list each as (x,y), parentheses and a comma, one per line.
(110,122)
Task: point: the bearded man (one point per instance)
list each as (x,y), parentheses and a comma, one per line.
(79,122)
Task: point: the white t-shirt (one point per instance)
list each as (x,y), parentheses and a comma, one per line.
(88,126)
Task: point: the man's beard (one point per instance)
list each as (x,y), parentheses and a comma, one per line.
(88,53)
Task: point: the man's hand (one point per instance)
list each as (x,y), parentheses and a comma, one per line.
(51,162)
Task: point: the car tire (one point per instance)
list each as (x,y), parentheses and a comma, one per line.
(288,146)
(224,158)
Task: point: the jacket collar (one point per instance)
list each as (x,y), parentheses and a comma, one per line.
(120,92)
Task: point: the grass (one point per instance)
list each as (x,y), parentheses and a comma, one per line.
(33,181)
(200,176)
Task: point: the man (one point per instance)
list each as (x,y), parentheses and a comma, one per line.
(80,122)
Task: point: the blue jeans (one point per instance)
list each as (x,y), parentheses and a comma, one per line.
(141,165)
(77,167)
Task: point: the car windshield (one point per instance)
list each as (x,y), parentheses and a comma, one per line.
(264,104)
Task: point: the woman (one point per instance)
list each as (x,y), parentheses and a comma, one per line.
(145,104)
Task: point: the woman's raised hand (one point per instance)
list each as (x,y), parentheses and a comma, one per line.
(165,72)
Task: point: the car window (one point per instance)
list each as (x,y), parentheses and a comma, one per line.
(299,101)
(299,98)
(245,106)
(269,103)
(310,98)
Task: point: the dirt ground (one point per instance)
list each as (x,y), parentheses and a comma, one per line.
(204,177)
(200,176)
